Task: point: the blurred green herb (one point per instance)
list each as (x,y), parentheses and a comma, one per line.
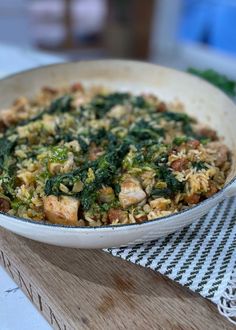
(219,80)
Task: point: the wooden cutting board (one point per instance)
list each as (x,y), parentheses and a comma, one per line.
(88,289)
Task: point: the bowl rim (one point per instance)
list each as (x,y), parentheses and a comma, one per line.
(121,226)
(118,226)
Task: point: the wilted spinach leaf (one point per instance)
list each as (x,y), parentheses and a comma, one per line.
(104,168)
(199,165)
(165,174)
(60,105)
(6,147)
(142,130)
(101,104)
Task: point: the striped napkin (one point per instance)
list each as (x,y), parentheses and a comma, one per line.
(201,256)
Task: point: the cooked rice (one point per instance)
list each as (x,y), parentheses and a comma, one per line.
(119,158)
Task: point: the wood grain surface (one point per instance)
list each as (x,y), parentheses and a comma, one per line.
(85,289)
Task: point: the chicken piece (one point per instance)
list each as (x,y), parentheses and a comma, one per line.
(18,112)
(8,117)
(62,210)
(160,203)
(20,103)
(219,151)
(106,195)
(131,192)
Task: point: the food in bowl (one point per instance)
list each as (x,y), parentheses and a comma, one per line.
(91,157)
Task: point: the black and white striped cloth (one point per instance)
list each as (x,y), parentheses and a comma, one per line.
(201,256)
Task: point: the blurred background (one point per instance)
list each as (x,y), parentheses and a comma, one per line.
(177,33)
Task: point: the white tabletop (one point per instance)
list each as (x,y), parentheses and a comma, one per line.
(16,311)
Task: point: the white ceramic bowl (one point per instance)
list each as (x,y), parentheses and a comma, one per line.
(201,100)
